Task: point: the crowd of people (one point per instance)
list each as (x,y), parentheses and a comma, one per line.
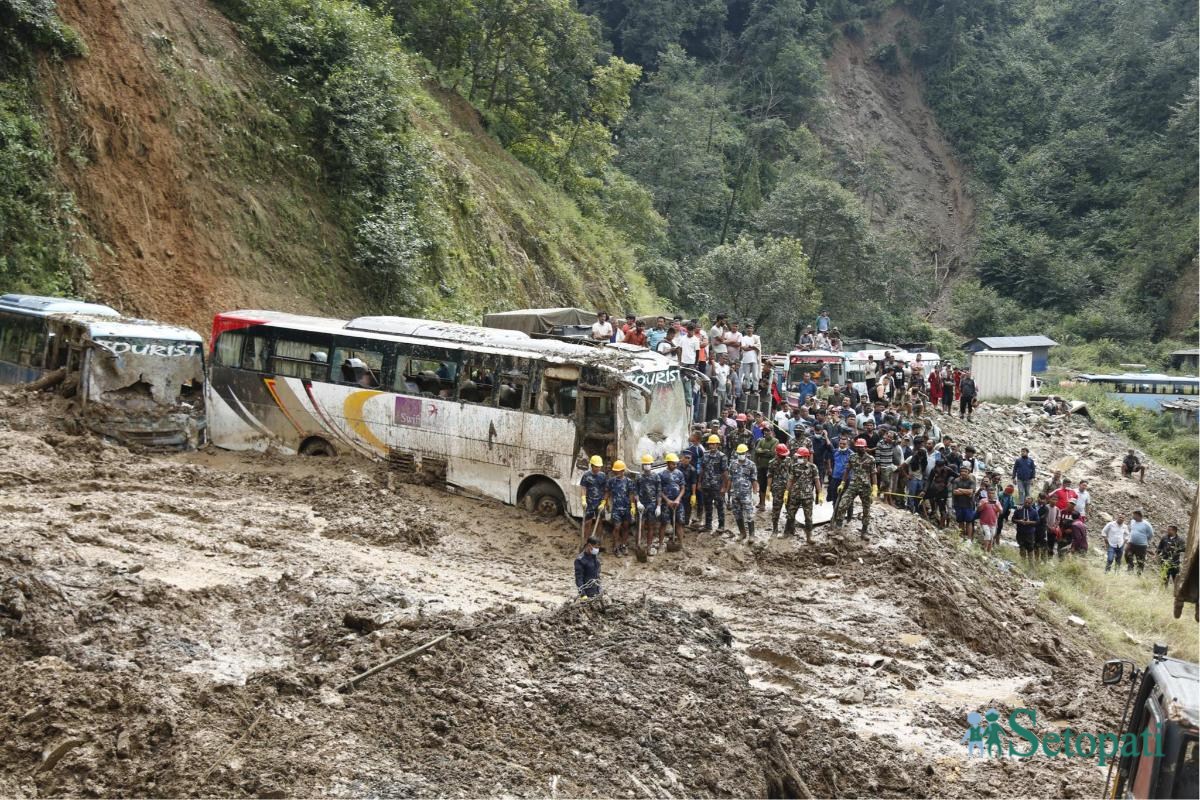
(840,444)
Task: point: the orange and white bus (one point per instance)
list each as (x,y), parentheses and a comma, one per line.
(487,412)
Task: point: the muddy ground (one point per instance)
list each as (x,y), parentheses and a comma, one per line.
(180,625)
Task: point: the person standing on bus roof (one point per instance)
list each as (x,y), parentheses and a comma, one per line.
(602,329)
(619,496)
(593,483)
(823,322)
(657,333)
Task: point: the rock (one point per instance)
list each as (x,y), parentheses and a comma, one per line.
(830,576)
(1078,621)
(123,744)
(853,696)
(52,755)
(893,776)
(686,652)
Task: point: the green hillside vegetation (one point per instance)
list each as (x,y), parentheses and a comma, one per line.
(34,213)
(496,153)
(1081,118)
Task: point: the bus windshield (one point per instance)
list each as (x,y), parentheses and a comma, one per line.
(660,429)
(817,370)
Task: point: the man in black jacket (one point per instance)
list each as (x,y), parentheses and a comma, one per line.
(587,569)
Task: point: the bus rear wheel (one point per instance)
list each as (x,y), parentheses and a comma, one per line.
(317,446)
(544,500)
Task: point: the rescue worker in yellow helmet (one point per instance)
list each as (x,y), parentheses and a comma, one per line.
(647,497)
(713,468)
(670,500)
(619,495)
(742,484)
(593,482)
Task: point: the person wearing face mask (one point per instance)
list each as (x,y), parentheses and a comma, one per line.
(587,569)
(742,484)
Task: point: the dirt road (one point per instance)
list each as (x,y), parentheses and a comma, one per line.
(179,624)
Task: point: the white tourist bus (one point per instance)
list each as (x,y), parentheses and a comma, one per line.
(486,412)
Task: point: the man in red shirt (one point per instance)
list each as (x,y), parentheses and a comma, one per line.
(637,335)
(1063,495)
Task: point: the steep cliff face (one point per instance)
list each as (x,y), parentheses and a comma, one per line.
(194,193)
(878,119)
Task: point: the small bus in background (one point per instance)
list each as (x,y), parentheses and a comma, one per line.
(136,381)
(489,412)
(818,365)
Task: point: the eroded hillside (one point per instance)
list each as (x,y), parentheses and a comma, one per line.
(194,191)
(878,119)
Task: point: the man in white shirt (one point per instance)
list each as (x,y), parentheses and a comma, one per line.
(1082,499)
(751,366)
(1116,536)
(602,329)
(689,346)
(782,422)
(720,379)
(669,346)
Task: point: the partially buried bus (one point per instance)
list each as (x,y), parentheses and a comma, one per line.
(488,412)
(133,380)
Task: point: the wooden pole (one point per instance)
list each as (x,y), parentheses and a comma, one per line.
(350,684)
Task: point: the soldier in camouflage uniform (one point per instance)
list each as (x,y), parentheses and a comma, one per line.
(743,488)
(860,481)
(739,435)
(714,467)
(777,475)
(801,486)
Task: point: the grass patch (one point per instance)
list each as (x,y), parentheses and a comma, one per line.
(1118,606)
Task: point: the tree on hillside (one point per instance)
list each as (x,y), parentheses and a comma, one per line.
(828,219)
(768,283)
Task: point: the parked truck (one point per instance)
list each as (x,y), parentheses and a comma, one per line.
(1002,374)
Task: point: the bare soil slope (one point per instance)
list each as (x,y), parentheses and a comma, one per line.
(179,625)
(192,194)
(877,113)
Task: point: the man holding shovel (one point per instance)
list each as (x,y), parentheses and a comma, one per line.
(619,497)
(648,490)
(593,484)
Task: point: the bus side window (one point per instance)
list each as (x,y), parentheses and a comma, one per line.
(254,357)
(357,367)
(478,383)
(229,349)
(559,390)
(514,378)
(402,383)
(300,360)
(434,378)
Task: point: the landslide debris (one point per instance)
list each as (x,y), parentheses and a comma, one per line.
(178,625)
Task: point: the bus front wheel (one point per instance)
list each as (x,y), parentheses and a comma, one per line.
(316,446)
(544,500)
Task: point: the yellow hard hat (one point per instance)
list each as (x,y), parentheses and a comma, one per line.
(647,458)
(741,448)
(672,457)
(618,466)
(713,439)
(596,461)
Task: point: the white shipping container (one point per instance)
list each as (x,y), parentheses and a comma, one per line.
(1002,373)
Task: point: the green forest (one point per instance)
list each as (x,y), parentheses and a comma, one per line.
(686,132)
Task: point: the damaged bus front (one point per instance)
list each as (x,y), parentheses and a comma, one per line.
(139,382)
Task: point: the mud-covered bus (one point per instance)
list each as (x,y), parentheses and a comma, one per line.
(136,381)
(483,411)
